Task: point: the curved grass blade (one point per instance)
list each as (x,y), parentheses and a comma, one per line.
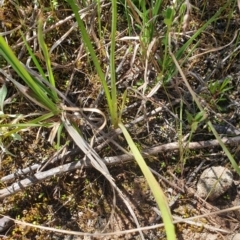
(153,184)
(36,63)
(46,57)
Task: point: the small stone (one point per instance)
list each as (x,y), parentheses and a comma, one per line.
(213,182)
(236,236)
(5,223)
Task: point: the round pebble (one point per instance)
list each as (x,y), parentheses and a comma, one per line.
(213,182)
(236,236)
(5,223)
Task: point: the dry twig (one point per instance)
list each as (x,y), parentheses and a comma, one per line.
(41,176)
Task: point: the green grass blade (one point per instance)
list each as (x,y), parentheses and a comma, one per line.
(36,63)
(154,186)
(156,7)
(3,94)
(229,155)
(37,122)
(89,46)
(112,66)
(23,125)
(198,32)
(46,57)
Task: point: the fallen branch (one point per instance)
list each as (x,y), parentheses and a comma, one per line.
(41,176)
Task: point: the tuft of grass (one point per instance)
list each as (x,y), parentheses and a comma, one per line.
(111,95)
(36,90)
